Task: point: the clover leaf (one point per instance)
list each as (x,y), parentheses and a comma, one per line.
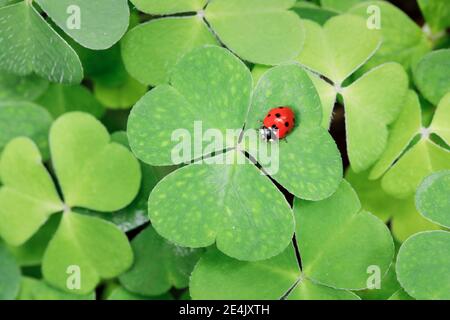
(160,7)
(136,213)
(403,40)
(422,265)
(325,230)
(388,286)
(217,276)
(327,52)
(120,293)
(258,31)
(9,274)
(14,87)
(402,214)
(158,265)
(60,99)
(432,198)
(431,75)
(31,252)
(28,192)
(311,11)
(339,5)
(91,171)
(404,168)
(96,30)
(25,119)
(98,248)
(437,14)
(35,47)
(310,150)
(33,289)
(213,86)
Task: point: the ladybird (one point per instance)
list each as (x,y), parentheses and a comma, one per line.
(278,123)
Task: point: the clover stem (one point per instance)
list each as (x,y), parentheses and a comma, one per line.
(29,2)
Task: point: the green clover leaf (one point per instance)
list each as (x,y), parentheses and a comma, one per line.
(325,230)
(96,30)
(33,289)
(223,204)
(158,266)
(431,75)
(403,40)
(161,7)
(401,295)
(205,83)
(14,87)
(9,274)
(339,5)
(91,171)
(437,14)
(311,11)
(371,102)
(217,276)
(121,96)
(389,285)
(259,31)
(423,263)
(406,161)
(121,293)
(97,247)
(31,252)
(36,48)
(312,151)
(136,213)
(25,119)
(28,192)
(432,199)
(327,49)
(79,161)
(209,84)
(60,99)
(404,218)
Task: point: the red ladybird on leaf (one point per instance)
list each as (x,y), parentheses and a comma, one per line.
(278,123)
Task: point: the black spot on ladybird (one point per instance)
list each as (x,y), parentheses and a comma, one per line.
(286,124)
(278,115)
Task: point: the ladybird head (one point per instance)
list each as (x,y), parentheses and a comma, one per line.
(269,134)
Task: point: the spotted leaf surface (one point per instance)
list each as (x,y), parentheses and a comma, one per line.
(34,47)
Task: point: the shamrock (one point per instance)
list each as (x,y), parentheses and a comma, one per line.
(258,31)
(325,230)
(93,173)
(33,46)
(227,203)
(372,102)
(411,153)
